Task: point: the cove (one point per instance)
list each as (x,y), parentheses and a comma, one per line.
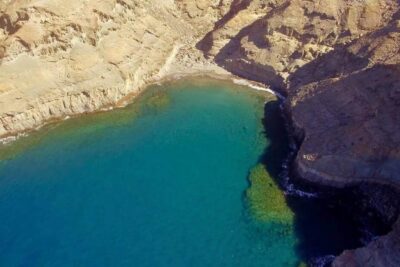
(163,182)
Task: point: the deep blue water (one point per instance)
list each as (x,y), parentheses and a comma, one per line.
(159,183)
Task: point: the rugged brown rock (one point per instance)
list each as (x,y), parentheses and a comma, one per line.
(337,61)
(346,108)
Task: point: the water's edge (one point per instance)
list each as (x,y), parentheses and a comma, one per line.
(362,200)
(75,139)
(374,206)
(19,125)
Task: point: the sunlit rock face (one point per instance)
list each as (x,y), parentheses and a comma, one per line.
(337,61)
(269,40)
(65,57)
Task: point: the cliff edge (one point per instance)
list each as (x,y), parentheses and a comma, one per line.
(337,61)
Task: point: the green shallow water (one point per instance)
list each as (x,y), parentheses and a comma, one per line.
(162,182)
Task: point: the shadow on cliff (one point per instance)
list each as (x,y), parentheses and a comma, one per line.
(345,59)
(336,63)
(207,42)
(322,228)
(232,57)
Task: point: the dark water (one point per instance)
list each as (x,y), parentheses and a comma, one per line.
(322,226)
(160,183)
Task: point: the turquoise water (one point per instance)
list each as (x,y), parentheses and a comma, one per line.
(159,183)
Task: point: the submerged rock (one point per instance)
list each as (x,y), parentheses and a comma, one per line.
(266,200)
(338,62)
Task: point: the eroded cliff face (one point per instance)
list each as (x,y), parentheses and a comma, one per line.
(345,107)
(269,40)
(61,57)
(338,62)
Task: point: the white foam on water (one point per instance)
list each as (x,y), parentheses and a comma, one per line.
(9,139)
(257,87)
(292,191)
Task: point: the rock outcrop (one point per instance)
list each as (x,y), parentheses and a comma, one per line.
(337,61)
(345,107)
(351,133)
(269,40)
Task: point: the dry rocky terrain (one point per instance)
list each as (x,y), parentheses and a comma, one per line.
(337,61)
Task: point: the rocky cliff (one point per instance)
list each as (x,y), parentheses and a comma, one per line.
(337,61)
(60,58)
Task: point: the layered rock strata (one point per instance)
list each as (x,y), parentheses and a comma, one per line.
(337,61)
(60,58)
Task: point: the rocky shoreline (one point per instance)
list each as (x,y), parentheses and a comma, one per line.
(373,203)
(375,196)
(375,200)
(18,125)
(337,63)
(374,206)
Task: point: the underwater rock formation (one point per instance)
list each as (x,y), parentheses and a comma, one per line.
(266,200)
(337,61)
